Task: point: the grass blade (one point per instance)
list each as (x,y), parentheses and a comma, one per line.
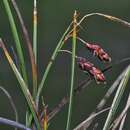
(11,102)
(31,54)
(109,17)
(23,86)
(82,125)
(123,114)
(35,43)
(29,44)
(72,72)
(16,38)
(117,98)
(47,70)
(13,123)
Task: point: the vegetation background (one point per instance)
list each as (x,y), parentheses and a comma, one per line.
(54,16)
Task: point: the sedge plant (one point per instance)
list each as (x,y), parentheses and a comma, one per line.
(35,119)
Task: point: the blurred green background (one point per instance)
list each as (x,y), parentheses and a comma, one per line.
(53,18)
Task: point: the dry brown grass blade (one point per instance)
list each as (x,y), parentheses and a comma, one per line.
(23,87)
(109,17)
(82,125)
(29,44)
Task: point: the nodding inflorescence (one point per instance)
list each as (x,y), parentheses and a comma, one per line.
(86,66)
(99,52)
(89,67)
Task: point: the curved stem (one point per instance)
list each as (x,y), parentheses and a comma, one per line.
(112,18)
(47,70)
(13,123)
(29,45)
(23,86)
(11,102)
(16,39)
(69,52)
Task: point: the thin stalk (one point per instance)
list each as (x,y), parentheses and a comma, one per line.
(31,54)
(82,125)
(13,123)
(16,38)
(23,86)
(35,30)
(35,44)
(117,98)
(29,44)
(112,18)
(72,73)
(69,52)
(122,122)
(53,57)
(11,102)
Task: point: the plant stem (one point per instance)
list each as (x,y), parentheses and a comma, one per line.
(35,88)
(13,123)
(11,102)
(16,38)
(35,30)
(55,53)
(109,17)
(29,45)
(72,72)
(23,86)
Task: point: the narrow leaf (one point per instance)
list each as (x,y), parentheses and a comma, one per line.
(72,71)
(16,38)
(23,86)
(117,98)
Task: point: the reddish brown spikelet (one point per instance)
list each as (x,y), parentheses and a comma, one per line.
(99,52)
(99,76)
(92,70)
(84,64)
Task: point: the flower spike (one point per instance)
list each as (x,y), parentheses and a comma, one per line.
(99,52)
(92,70)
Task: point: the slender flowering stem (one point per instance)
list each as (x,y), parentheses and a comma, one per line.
(35,47)
(72,73)
(84,42)
(109,17)
(69,52)
(112,18)
(55,53)
(35,30)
